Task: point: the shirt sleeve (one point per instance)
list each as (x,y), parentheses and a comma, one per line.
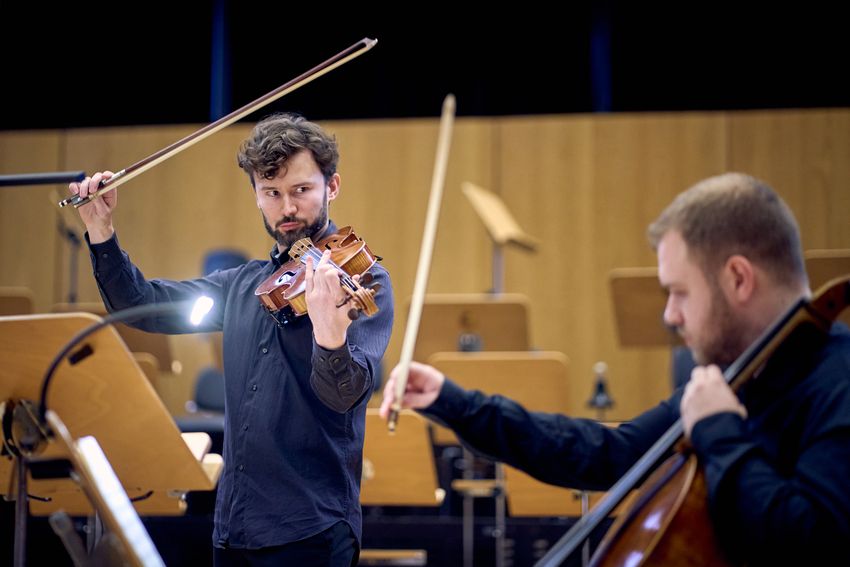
(577,453)
(781,517)
(343,377)
(122,285)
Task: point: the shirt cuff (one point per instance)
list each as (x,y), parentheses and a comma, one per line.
(336,360)
(449,405)
(106,255)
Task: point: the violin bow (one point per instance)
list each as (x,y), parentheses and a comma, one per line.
(427,247)
(160,156)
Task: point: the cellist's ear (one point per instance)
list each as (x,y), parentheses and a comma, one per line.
(737,279)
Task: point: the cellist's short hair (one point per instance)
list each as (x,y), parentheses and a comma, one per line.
(731,214)
(278,137)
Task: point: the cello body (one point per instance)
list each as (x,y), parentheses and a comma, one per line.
(668,523)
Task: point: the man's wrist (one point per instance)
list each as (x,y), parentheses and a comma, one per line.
(100,234)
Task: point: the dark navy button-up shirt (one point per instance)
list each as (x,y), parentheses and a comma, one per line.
(295,412)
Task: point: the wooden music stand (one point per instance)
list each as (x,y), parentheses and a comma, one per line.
(398,470)
(501,226)
(824,265)
(639,302)
(496,322)
(16,301)
(104,395)
(156,344)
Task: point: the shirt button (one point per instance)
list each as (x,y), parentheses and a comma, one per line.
(104,255)
(265,350)
(244,428)
(254,388)
(241,468)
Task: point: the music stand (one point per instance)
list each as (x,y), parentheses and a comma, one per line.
(472,321)
(501,226)
(639,302)
(102,488)
(137,340)
(398,470)
(16,301)
(824,265)
(104,395)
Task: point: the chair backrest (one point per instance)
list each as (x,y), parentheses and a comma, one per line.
(209,390)
(223,259)
(398,470)
(16,301)
(538,381)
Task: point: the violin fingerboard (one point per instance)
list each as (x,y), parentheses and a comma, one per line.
(300,247)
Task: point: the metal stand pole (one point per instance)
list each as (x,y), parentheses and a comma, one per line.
(468,513)
(21,513)
(501,522)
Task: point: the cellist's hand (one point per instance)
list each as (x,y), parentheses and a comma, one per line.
(323,295)
(423,387)
(96,214)
(707,393)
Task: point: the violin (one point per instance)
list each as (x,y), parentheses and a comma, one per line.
(283,293)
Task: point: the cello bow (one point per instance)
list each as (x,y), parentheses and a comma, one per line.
(427,247)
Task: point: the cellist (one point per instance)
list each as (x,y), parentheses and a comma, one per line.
(295,393)
(776,456)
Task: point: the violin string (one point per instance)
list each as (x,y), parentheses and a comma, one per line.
(316,254)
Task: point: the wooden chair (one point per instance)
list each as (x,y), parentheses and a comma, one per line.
(16,301)
(398,470)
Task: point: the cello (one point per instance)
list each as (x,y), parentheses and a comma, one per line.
(668,522)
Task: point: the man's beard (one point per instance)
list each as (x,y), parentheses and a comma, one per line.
(728,337)
(286,239)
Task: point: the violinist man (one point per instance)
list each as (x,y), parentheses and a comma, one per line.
(776,456)
(295,393)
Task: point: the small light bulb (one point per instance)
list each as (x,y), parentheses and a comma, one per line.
(200,309)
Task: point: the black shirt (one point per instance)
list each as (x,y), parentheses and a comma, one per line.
(294,411)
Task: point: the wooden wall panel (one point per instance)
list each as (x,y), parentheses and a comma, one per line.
(387,169)
(587,186)
(29,239)
(804,156)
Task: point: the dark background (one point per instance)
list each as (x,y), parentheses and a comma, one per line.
(191,62)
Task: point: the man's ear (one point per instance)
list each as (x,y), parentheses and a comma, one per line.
(333,186)
(738,279)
